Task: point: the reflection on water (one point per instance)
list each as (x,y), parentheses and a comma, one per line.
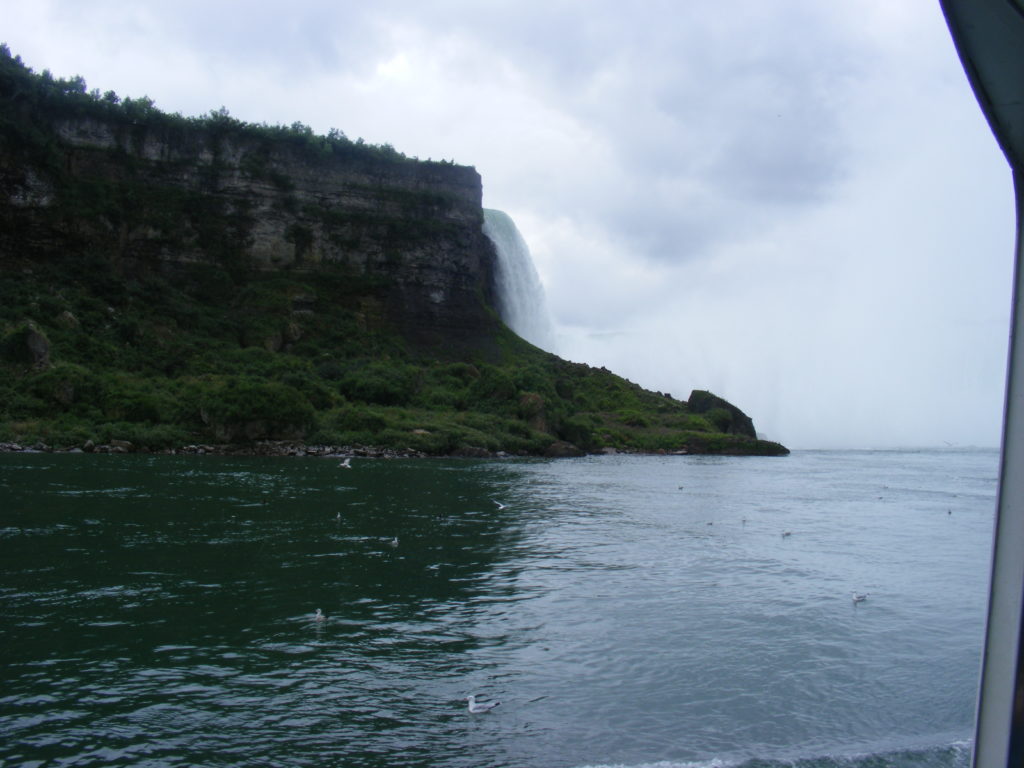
(160,610)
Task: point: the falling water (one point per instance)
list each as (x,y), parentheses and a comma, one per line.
(521,299)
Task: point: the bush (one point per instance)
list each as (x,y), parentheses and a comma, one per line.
(23,344)
(66,387)
(721,418)
(494,390)
(238,407)
(137,400)
(380,383)
(578,432)
(634,419)
(152,436)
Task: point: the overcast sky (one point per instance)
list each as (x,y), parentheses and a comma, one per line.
(797,205)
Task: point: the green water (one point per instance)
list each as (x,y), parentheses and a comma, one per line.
(624,610)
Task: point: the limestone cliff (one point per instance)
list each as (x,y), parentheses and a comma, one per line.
(154,192)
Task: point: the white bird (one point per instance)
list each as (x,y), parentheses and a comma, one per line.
(319,615)
(860,598)
(346,464)
(477,708)
(500,505)
(393,542)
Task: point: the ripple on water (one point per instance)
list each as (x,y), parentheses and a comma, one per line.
(612,622)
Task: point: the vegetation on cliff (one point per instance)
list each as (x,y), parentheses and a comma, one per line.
(165,351)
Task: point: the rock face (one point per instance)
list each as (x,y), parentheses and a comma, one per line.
(163,194)
(726,416)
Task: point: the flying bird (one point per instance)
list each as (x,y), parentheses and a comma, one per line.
(500,505)
(477,708)
(346,464)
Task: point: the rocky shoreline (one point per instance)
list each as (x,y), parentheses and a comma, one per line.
(262,448)
(288,448)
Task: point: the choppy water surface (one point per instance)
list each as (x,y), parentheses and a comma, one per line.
(624,610)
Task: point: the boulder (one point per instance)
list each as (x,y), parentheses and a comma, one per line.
(726,416)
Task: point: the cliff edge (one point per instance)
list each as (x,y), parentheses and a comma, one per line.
(153,192)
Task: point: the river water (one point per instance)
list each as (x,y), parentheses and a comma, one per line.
(158,611)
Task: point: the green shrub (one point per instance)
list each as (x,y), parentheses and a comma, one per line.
(15,346)
(151,436)
(721,418)
(239,408)
(380,383)
(331,370)
(66,386)
(464,372)
(135,399)
(494,390)
(318,394)
(634,419)
(352,418)
(579,432)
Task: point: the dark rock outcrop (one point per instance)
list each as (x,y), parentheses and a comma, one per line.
(723,414)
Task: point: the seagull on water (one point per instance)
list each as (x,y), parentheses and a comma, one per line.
(477,708)
(319,615)
(500,505)
(858,598)
(786,533)
(346,464)
(393,542)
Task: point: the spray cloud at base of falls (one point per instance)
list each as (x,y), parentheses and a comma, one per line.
(521,301)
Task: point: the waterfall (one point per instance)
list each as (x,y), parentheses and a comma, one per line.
(521,301)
